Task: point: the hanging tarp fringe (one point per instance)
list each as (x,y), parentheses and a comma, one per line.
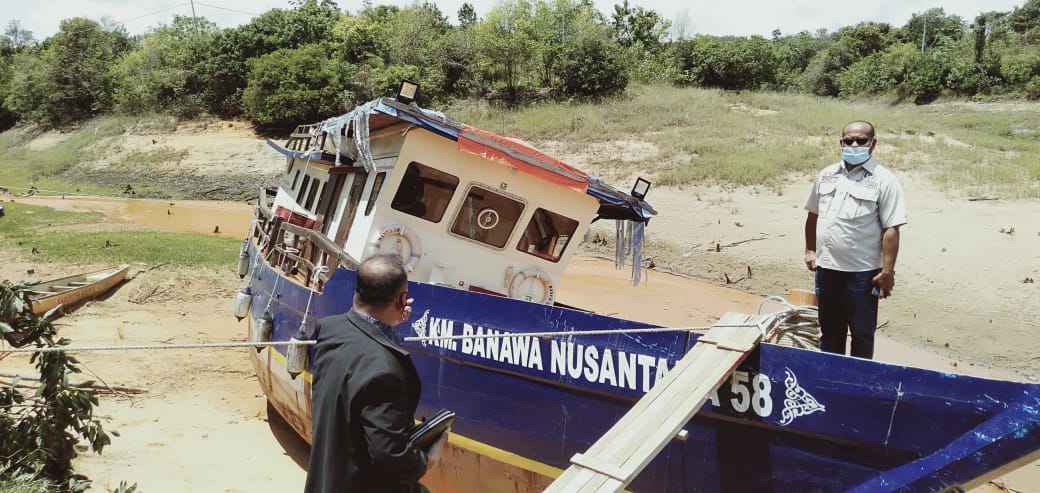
(340,125)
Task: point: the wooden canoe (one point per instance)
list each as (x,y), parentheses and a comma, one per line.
(68,291)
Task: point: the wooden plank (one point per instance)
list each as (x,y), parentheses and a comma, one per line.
(802,297)
(622,452)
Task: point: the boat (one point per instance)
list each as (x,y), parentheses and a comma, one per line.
(486,225)
(66,292)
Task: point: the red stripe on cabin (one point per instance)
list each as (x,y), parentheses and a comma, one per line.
(476,289)
(521,157)
(294,218)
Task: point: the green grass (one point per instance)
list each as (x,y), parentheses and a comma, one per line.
(22,167)
(698,136)
(749,138)
(77,237)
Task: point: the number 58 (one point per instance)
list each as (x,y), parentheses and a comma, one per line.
(755,396)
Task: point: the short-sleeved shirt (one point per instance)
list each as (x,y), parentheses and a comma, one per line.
(854,208)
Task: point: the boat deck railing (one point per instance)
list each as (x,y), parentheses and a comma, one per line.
(304,255)
(302,136)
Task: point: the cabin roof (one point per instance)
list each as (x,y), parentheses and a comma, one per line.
(385,112)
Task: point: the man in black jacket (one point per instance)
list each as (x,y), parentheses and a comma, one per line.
(365,392)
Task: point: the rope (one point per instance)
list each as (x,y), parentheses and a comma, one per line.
(573,333)
(306,313)
(201,345)
(38,193)
(798,326)
(209,345)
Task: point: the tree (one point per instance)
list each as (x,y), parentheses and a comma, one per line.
(506,41)
(164,73)
(459,55)
(466,15)
(69,80)
(276,29)
(879,73)
(41,430)
(681,26)
(15,39)
(555,23)
(297,85)
(360,38)
(851,45)
(1025,18)
(929,28)
(793,55)
(638,26)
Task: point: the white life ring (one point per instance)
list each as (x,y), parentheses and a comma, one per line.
(521,284)
(398,239)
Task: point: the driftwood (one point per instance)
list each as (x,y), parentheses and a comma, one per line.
(99,387)
(741,278)
(719,246)
(735,243)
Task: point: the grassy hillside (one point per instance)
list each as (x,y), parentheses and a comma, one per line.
(696,136)
(750,138)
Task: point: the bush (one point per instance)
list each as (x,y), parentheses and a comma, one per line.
(1033,88)
(293,86)
(592,67)
(878,73)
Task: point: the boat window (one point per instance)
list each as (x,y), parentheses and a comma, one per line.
(377,187)
(292,163)
(303,188)
(547,235)
(487,216)
(315,186)
(295,179)
(424,192)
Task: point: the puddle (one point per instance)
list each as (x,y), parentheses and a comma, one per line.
(228,219)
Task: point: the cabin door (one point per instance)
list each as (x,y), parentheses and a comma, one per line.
(326,209)
(357,186)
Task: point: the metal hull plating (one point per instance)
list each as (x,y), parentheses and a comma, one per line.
(787,420)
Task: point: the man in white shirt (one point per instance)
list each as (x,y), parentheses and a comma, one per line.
(852,240)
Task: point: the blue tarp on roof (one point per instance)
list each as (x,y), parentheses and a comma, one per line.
(445,127)
(610,197)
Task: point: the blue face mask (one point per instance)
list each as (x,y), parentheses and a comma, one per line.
(855,155)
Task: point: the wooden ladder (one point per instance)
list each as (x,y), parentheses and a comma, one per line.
(618,456)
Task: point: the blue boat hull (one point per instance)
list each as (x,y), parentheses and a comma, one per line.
(787,420)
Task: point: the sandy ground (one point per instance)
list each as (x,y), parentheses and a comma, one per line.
(960,304)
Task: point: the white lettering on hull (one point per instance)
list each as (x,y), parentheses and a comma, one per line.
(746,392)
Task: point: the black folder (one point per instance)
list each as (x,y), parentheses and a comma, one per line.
(423,435)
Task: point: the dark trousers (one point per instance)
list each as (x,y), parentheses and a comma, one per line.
(847,306)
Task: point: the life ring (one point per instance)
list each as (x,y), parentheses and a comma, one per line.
(398,239)
(520,286)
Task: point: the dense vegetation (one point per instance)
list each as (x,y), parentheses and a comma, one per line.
(42,428)
(312,60)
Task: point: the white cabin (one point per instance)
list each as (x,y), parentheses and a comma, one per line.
(463,208)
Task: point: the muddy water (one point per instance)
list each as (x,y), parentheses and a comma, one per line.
(229,219)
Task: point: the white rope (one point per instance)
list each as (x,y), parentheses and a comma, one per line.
(798,326)
(270,297)
(208,345)
(38,194)
(306,313)
(573,333)
(201,345)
